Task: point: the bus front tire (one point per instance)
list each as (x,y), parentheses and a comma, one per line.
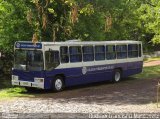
(117,76)
(58,84)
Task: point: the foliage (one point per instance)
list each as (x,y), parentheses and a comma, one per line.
(50,20)
(88,20)
(13,23)
(149,14)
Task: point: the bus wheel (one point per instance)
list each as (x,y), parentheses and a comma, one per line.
(58,84)
(117,76)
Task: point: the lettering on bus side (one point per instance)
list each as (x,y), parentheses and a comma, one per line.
(92,69)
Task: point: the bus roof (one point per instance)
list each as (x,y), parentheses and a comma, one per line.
(90,42)
(86,42)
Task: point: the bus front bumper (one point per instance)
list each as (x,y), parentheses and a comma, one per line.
(38,82)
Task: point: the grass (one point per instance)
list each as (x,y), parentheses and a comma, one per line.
(149,72)
(151,59)
(9,93)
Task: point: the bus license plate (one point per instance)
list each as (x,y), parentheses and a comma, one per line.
(25,83)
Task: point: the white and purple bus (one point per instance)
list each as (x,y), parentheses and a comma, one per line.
(55,65)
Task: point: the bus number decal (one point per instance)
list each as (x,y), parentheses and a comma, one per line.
(92,69)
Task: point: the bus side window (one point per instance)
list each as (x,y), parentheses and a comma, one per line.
(64,54)
(110,52)
(99,52)
(88,53)
(52,59)
(132,50)
(121,51)
(75,54)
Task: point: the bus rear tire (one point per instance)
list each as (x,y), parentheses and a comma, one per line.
(117,76)
(58,84)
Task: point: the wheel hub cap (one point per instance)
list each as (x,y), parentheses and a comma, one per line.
(117,76)
(58,84)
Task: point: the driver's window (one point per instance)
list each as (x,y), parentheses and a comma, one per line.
(52,59)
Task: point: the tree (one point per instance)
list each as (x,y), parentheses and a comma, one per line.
(149,13)
(14,26)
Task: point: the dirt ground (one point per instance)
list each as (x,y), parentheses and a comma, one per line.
(130,95)
(153,63)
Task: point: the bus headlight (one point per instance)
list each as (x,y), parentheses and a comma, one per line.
(15,78)
(39,80)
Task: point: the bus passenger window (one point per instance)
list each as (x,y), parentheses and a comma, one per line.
(52,59)
(132,50)
(121,51)
(64,54)
(99,52)
(75,54)
(110,52)
(88,53)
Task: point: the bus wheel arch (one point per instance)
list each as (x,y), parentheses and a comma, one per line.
(58,82)
(117,75)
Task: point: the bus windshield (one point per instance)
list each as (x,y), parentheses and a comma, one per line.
(30,60)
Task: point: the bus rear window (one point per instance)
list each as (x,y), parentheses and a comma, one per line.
(132,50)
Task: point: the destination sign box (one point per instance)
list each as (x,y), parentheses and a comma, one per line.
(28,45)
